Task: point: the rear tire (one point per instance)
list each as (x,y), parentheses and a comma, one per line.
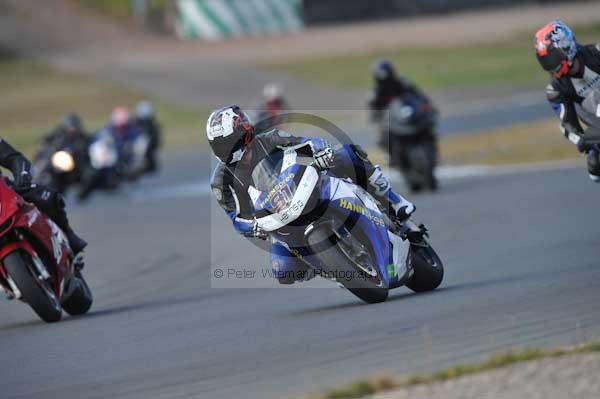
(80,300)
(320,240)
(428,269)
(47,308)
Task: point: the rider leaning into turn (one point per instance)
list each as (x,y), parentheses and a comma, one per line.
(389,86)
(574,89)
(240,148)
(48,201)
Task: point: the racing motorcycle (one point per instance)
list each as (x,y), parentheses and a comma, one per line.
(36,262)
(111,164)
(59,169)
(412,146)
(337,230)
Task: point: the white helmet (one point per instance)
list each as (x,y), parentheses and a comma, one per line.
(144,110)
(229,130)
(272,92)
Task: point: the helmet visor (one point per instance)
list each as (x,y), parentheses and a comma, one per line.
(224,147)
(552,61)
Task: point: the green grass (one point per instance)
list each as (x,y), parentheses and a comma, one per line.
(368,387)
(532,142)
(505,62)
(118,9)
(35,98)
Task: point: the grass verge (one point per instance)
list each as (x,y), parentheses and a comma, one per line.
(504,62)
(119,9)
(521,144)
(35,98)
(364,388)
(532,142)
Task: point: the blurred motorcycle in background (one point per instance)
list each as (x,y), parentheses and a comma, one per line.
(60,168)
(411,142)
(114,160)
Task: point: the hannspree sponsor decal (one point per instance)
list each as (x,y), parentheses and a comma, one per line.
(362,210)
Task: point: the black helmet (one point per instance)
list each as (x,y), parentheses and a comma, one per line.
(229,131)
(72,123)
(383,71)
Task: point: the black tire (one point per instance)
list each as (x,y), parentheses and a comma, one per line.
(321,242)
(47,308)
(428,269)
(80,297)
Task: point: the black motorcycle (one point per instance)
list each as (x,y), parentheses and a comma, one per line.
(60,167)
(411,142)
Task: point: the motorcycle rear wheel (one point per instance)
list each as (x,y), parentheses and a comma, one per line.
(41,299)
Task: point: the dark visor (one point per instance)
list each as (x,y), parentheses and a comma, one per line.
(552,62)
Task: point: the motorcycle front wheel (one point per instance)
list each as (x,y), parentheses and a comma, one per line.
(38,294)
(427,266)
(355,271)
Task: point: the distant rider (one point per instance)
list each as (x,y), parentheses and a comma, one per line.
(145,120)
(121,128)
(240,147)
(574,89)
(69,133)
(388,87)
(48,201)
(273,105)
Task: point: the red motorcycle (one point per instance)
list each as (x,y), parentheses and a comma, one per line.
(36,262)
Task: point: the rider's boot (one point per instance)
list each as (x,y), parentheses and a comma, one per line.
(76,243)
(392,203)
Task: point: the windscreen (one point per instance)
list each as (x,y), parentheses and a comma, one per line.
(278,187)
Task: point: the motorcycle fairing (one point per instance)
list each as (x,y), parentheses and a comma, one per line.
(362,213)
(53,245)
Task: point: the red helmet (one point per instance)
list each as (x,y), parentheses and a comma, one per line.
(556,48)
(120,117)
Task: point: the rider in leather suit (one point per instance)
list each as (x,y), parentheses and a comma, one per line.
(574,89)
(239,149)
(48,201)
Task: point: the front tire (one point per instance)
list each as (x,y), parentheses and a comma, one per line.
(428,269)
(40,299)
(321,241)
(80,299)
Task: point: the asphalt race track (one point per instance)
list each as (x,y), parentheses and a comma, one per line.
(522,262)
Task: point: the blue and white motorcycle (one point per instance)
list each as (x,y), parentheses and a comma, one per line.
(337,230)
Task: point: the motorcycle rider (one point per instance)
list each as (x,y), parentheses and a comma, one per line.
(273,105)
(121,127)
(388,87)
(239,146)
(146,121)
(574,89)
(121,131)
(46,200)
(69,133)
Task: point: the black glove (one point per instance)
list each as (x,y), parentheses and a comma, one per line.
(23,181)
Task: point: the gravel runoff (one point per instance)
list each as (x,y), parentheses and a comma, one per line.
(569,377)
